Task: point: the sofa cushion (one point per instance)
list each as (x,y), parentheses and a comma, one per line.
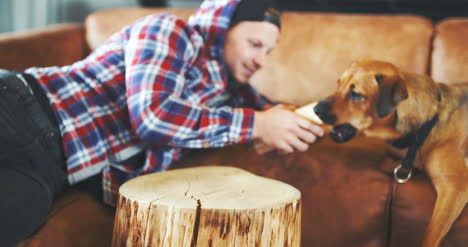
(450,54)
(345,196)
(314,48)
(411,210)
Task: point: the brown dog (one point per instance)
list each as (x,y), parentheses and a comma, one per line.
(376,99)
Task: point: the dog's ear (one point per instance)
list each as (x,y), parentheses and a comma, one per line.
(392,90)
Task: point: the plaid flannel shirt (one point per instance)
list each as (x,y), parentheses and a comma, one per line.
(154,90)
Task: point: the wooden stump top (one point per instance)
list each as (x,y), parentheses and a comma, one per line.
(218,187)
(207,206)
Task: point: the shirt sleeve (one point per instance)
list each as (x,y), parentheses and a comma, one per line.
(159,51)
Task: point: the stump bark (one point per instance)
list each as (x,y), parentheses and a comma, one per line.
(207,206)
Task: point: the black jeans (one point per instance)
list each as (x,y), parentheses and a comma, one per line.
(32,164)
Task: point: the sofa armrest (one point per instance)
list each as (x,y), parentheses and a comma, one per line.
(51,46)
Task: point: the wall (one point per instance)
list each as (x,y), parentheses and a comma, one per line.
(435,10)
(20,15)
(5,18)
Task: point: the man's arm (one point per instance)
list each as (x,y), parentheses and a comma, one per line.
(158,54)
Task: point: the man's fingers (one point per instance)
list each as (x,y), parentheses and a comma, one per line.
(309,126)
(285,148)
(305,135)
(301,146)
(297,144)
(317,130)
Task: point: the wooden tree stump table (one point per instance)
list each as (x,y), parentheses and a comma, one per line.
(207,206)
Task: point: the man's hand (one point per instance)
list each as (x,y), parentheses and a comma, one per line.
(280,128)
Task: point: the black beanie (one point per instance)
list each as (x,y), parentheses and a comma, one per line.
(257,10)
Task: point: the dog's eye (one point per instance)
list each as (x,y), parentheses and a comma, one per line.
(355,96)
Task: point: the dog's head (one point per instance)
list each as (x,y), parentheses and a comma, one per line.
(365,102)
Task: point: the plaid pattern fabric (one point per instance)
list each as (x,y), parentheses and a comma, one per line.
(153,89)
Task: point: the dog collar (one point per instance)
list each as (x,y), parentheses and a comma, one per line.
(414,141)
(417,140)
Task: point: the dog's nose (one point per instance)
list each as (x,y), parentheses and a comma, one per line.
(322,109)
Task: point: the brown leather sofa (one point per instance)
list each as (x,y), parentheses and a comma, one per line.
(349,195)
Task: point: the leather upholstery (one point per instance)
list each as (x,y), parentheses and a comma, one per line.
(101,25)
(57,45)
(315,49)
(450,55)
(309,43)
(345,196)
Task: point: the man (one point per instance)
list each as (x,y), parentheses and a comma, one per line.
(139,102)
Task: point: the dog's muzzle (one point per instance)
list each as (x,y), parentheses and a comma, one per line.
(322,109)
(340,133)
(343,133)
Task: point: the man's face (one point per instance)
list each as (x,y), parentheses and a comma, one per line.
(246,47)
